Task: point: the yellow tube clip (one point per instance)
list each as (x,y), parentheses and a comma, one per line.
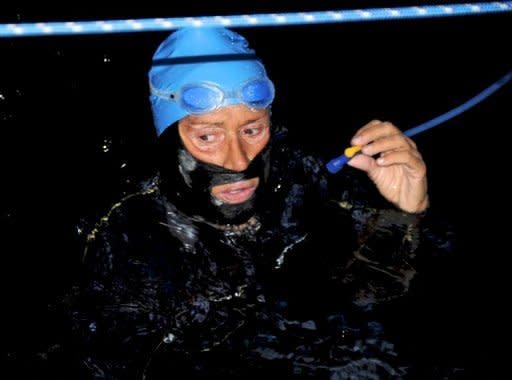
(352,151)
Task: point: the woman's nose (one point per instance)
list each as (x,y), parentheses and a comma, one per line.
(236,157)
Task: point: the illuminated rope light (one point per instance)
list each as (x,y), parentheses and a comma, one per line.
(239,21)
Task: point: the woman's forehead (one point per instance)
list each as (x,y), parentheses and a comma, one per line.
(225,115)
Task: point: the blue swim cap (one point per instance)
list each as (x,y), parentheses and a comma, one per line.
(196,70)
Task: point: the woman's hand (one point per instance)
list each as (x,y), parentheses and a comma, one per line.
(397,170)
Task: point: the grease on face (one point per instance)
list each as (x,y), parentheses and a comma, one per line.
(186,164)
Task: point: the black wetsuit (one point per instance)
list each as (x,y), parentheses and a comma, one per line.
(167,296)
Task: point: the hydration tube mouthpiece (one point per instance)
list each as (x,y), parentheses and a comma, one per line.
(336,164)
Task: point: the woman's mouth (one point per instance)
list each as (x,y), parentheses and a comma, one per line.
(237,192)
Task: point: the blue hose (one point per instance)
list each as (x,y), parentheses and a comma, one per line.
(336,164)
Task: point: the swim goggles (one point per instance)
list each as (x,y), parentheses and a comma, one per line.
(204,97)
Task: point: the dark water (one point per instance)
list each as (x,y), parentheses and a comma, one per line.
(76,132)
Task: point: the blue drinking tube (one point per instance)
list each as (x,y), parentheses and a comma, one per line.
(336,164)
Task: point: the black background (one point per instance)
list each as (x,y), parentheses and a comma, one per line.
(73,110)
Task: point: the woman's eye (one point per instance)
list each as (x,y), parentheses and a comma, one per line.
(206,138)
(253,131)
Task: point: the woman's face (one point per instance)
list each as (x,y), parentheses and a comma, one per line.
(230,137)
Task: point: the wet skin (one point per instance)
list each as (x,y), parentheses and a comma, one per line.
(230,137)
